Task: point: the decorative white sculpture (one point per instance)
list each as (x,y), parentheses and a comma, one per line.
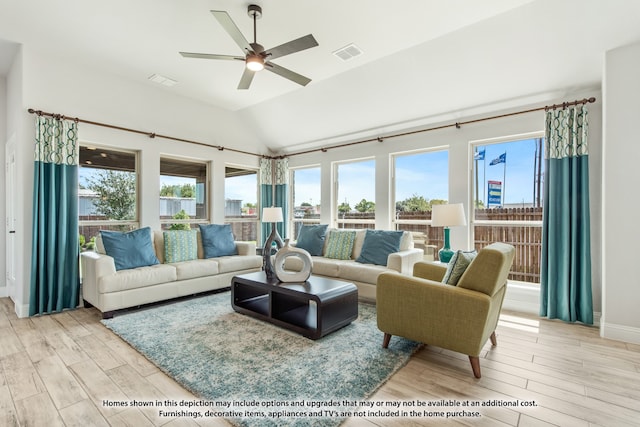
(289,275)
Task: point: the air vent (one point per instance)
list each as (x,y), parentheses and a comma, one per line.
(348,52)
(165,81)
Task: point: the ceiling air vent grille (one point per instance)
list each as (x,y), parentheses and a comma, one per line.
(348,52)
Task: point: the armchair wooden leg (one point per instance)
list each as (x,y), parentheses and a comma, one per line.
(494,340)
(385,341)
(475,365)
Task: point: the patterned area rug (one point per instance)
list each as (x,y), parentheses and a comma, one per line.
(227,358)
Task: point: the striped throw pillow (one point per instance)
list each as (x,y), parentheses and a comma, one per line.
(340,244)
(180,245)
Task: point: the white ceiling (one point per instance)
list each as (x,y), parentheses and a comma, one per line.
(421,58)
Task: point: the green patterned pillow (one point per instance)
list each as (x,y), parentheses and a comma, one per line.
(180,245)
(340,244)
(457,266)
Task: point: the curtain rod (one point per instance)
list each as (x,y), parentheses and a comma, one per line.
(140,132)
(457,125)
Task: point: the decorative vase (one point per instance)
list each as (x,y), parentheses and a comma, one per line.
(289,275)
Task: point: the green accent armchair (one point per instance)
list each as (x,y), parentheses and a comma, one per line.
(460,318)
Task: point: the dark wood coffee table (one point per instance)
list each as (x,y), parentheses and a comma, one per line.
(313,308)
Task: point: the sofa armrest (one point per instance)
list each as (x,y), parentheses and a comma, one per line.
(246,248)
(403,261)
(94,266)
(430,270)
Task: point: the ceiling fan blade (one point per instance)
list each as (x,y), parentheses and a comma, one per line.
(293,46)
(230,27)
(246,79)
(209,56)
(287,74)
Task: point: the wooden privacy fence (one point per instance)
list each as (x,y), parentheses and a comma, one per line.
(527,239)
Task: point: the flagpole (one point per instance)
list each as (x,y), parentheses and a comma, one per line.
(504,179)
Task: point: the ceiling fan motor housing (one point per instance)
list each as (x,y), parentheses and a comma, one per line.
(254,11)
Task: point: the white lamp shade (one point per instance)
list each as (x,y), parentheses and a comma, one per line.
(448,215)
(272,215)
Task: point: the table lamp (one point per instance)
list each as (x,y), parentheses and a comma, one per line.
(446,216)
(271,215)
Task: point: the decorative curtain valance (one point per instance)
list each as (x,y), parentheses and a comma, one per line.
(565,278)
(274,182)
(55,281)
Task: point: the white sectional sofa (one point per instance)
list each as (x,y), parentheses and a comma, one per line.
(110,290)
(363,275)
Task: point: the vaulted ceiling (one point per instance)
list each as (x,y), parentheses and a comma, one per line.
(421,59)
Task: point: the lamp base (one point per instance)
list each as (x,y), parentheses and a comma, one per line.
(267,265)
(445,254)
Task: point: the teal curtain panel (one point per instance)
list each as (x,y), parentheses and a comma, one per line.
(274,188)
(566,248)
(55,282)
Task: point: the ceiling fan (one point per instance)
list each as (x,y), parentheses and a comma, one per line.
(256,57)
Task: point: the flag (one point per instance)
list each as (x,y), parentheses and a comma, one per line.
(479,155)
(502,158)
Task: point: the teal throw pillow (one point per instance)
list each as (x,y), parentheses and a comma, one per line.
(311,238)
(340,244)
(180,245)
(217,240)
(131,249)
(457,266)
(377,246)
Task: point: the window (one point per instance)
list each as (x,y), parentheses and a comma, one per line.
(241,208)
(305,195)
(508,181)
(183,193)
(420,180)
(355,205)
(107,192)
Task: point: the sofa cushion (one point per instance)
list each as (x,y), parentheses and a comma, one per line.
(217,240)
(365,273)
(137,278)
(358,242)
(180,245)
(311,238)
(228,264)
(457,266)
(321,266)
(196,268)
(340,244)
(131,249)
(378,245)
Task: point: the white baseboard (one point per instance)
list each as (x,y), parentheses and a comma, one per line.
(522,297)
(620,332)
(3,292)
(22,310)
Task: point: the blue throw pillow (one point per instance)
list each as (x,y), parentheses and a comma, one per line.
(377,246)
(311,238)
(130,250)
(217,240)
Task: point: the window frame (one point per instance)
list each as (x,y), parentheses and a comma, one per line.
(336,221)
(207,202)
(473,222)
(292,219)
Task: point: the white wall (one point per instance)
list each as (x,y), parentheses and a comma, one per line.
(3,215)
(43,83)
(621,178)
(457,141)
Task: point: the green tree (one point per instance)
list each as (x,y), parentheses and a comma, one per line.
(344,207)
(116,192)
(168,190)
(306,204)
(180,215)
(365,206)
(414,203)
(438,202)
(188,191)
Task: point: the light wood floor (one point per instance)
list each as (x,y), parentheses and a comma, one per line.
(57,370)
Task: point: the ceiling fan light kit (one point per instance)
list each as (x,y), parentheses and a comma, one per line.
(256,57)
